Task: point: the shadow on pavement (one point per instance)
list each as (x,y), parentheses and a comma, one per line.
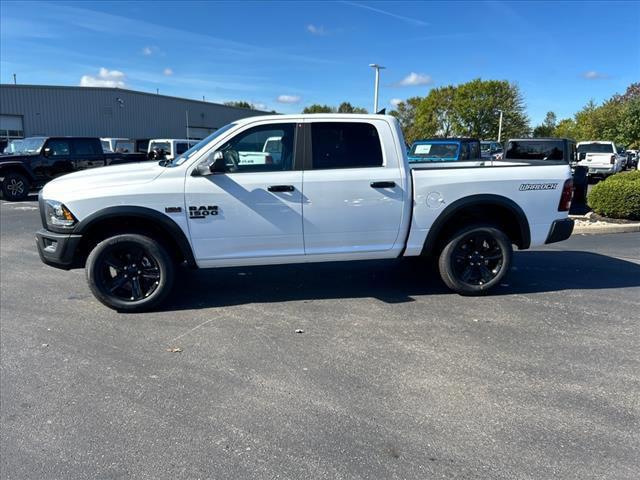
(394,281)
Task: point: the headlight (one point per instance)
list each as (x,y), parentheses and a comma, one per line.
(58,215)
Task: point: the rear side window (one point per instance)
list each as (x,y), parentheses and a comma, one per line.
(345,145)
(535,150)
(85,146)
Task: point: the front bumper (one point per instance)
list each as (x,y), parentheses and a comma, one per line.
(560,230)
(58,249)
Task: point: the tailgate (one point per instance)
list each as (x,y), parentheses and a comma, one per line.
(597,160)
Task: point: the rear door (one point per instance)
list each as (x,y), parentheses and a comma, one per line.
(251,213)
(353,188)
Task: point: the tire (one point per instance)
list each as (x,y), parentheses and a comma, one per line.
(475,259)
(130,272)
(15,187)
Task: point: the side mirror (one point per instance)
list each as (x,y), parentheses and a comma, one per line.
(214,164)
(46,152)
(218,165)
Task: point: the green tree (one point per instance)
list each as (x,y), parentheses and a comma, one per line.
(240,104)
(346,107)
(469,109)
(548,126)
(476,105)
(317,108)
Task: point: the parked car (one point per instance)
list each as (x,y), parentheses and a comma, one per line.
(491,150)
(445,149)
(41,159)
(118,145)
(632,158)
(168,148)
(602,158)
(343,191)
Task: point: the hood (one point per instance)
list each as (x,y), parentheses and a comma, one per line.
(104,177)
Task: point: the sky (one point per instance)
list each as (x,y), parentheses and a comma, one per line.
(287,55)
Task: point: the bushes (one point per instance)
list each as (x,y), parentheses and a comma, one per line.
(618,196)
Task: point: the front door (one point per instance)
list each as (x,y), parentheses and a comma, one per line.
(254,209)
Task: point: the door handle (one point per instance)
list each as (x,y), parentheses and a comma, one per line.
(382,184)
(281,188)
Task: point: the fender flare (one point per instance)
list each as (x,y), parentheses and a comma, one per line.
(166,223)
(451,210)
(20,165)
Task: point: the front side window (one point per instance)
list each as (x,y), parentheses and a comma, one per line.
(345,145)
(246,151)
(58,148)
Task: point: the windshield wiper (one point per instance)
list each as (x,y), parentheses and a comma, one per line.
(164,163)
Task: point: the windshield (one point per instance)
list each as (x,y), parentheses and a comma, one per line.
(436,151)
(595,148)
(196,148)
(485,146)
(31,146)
(166,146)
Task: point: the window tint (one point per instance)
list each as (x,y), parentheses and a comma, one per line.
(181,147)
(246,151)
(345,145)
(58,147)
(125,146)
(535,150)
(85,146)
(595,148)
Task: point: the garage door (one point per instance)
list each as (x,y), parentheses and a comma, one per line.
(11,126)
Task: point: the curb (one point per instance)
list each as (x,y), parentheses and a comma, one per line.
(611,228)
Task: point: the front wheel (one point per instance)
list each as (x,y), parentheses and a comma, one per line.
(130,272)
(475,259)
(15,187)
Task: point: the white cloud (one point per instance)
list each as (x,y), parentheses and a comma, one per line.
(316,29)
(147,51)
(259,106)
(167,71)
(593,75)
(289,99)
(415,79)
(105,78)
(395,101)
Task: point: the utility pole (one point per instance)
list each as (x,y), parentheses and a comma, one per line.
(500,127)
(15,82)
(377,68)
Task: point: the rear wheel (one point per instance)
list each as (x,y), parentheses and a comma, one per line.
(475,259)
(15,187)
(130,272)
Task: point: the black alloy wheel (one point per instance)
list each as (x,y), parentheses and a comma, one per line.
(130,272)
(475,259)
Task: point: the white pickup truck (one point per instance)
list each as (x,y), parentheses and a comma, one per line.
(601,158)
(342,190)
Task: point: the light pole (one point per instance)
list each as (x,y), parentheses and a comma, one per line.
(500,126)
(375,91)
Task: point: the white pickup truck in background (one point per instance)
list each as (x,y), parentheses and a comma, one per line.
(601,158)
(341,190)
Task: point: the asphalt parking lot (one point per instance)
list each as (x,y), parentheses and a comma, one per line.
(393,377)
